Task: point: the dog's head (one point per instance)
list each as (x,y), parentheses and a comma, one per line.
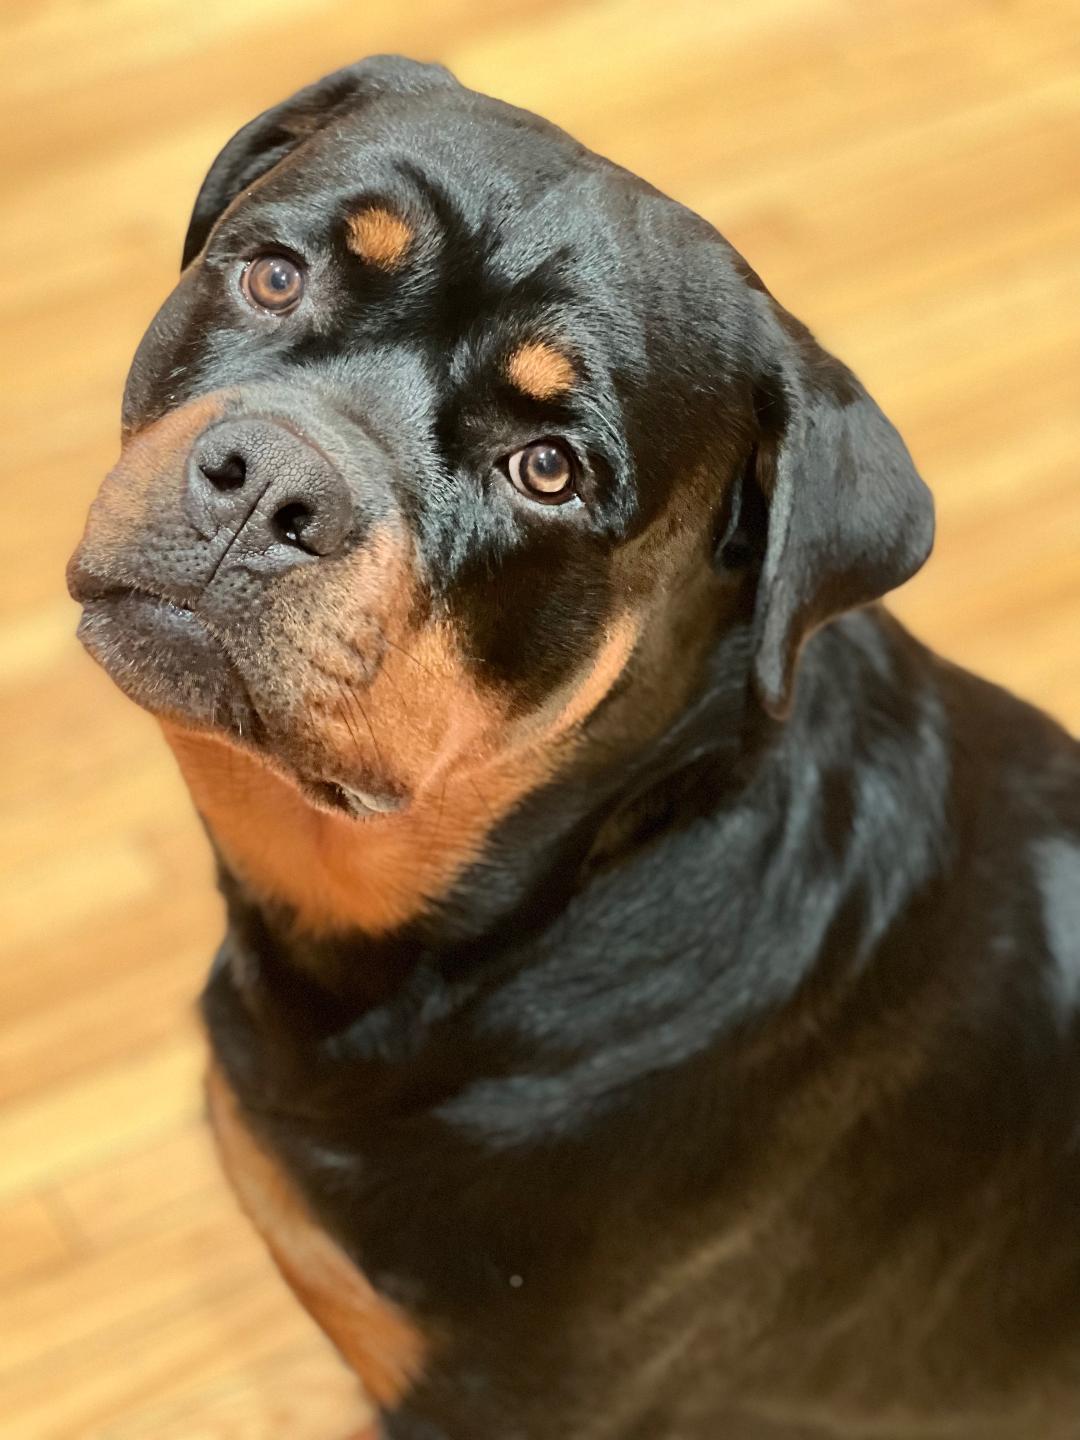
(452,439)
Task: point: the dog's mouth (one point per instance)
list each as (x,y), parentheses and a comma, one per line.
(168,659)
(345,799)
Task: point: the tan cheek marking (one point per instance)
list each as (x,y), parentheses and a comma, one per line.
(610,662)
(375,1337)
(540,371)
(379,237)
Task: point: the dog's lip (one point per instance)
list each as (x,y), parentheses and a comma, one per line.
(359,804)
(128,628)
(364,800)
(86,585)
(89,587)
(94,592)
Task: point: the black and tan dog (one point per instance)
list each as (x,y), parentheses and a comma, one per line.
(649,1008)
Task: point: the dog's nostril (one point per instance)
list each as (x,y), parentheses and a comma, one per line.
(255,478)
(228,474)
(290,522)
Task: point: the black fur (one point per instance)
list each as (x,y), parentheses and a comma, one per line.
(733,1095)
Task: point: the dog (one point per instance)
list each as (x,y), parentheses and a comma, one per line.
(649,1001)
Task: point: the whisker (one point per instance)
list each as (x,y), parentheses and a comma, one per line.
(371,731)
(343,710)
(402,651)
(482,798)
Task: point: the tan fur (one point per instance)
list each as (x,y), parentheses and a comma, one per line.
(338,873)
(379,237)
(375,1337)
(540,371)
(124,505)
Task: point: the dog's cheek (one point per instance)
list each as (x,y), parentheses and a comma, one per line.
(357,678)
(603,674)
(420,720)
(530,620)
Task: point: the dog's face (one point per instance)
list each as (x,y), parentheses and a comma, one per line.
(451,436)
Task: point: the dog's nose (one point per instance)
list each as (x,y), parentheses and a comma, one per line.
(264,484)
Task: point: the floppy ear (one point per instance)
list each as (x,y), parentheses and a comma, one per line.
(848,517)
(258,147)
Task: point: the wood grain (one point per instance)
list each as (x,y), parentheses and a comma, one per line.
(906,176)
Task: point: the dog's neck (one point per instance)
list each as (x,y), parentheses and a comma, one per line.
(837,787)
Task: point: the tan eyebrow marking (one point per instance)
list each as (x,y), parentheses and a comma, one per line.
(379,236)
(540,370)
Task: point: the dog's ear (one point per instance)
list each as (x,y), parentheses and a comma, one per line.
(268,138)
(846,516)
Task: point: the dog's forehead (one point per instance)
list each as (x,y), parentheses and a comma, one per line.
(476,166)
(482,145)
(490,248)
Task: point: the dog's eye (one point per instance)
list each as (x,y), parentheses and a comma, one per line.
(545,470)
(273,282)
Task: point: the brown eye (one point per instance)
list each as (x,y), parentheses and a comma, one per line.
(545,471)
(273,282)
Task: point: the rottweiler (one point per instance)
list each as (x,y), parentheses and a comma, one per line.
(650,1001)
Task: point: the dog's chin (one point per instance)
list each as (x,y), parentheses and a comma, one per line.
(165,658)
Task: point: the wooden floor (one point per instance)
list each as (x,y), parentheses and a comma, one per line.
(906,177)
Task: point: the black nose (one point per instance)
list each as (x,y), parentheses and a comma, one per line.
(264,486)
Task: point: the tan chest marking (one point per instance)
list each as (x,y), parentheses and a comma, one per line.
(375,1337)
